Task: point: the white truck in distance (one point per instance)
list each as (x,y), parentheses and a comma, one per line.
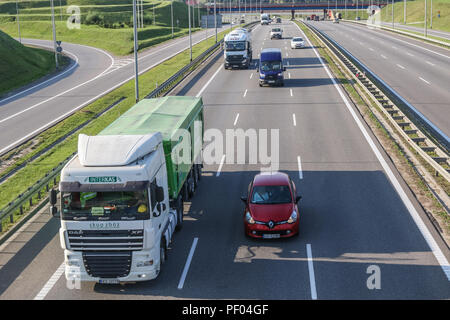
(122,195)
(265,19)
(238,49)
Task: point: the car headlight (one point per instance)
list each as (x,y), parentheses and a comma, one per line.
(249,218)
(280,74)
(293,217)
(262,75)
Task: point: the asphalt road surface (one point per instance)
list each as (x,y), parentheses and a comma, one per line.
(419,72)
(430,32)
(356,214)
(95,73)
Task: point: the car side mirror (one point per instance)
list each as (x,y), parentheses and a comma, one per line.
(244,199)
(297,199)
(52,199)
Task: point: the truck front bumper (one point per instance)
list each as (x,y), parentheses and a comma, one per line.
(140,269)
(236,64)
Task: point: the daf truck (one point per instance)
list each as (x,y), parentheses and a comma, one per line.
(265,20)
(121,196)
(238,49)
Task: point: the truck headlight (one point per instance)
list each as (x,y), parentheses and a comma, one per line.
(145,261)
(249,218)
(73,261)
(293,217)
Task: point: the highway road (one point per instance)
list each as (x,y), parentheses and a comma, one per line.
(356,212)
(430,32)
(95,73)
(419,72)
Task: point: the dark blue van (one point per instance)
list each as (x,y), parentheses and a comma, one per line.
(271,67)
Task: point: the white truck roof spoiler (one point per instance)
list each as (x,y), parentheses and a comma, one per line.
(115,150)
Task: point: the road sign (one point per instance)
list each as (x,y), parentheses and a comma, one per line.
(58,43)
(59,49)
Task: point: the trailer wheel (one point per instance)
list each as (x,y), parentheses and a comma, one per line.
(184,191)
(179,207)
(162,252)
(195,175)
(191,183)
(199,172)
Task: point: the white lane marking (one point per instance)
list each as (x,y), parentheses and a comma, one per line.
(291,92)
(45,82)
(300,172)
(285,48)
(289,74)
(394,47)
(371,49)
(287,54)
(400,66)
(188,263)
(235,120)
(220,166)
(209,81)
(245,93)
(294,119)
(100,75)
(424,80)
(431,64)
(410,54)
(312,278)
(50,283)
(251,75)
(383,56)
(361,43)
(437,252)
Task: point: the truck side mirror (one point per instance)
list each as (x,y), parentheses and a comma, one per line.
(159,194)
(52,197)
(284,68)
(54,212)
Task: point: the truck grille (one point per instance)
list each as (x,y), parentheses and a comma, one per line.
(107,264)
(82,240)
(236,58)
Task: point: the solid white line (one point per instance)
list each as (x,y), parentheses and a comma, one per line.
(220,166)
(50,283)
(291,92)
(400,66)
(235,120)
(188,263)
(312,278)
(424,80)
(209,81)
(300,171)
(437,252)
(245,93)
(43,83)
(294,119)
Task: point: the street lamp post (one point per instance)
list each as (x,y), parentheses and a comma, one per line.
(404,11)
(54,35)
(171,14)
(215,18)
(18,21)
(190,33)
(431,15)
(136,77)
(425,25)
(393,14)
(142,13)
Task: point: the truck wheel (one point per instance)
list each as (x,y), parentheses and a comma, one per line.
(162,253)
(184,191)
(180,208)
(195,175)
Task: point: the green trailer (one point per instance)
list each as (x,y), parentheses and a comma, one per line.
(166,115)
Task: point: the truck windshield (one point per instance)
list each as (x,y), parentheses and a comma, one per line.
(270,65)
(119,205)
(235,45)
(271,195)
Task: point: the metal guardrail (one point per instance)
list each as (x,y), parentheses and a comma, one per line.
(399,119)
(410,34)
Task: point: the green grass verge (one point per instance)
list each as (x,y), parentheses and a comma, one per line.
(367,113)
(20,65)
(34,171)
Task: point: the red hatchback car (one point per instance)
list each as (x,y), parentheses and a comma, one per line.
(271,207)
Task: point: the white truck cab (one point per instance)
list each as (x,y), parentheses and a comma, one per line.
(238,49)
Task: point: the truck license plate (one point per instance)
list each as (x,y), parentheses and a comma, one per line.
(271,235)
(109,281)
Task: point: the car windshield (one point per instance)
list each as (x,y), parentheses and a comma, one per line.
(271,195)
(270,65)
(118,205)
(235,45)
(297,39)
(276,30)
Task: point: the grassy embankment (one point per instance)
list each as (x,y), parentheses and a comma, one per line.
(106,24)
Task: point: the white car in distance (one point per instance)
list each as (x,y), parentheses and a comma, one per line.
(297,42)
